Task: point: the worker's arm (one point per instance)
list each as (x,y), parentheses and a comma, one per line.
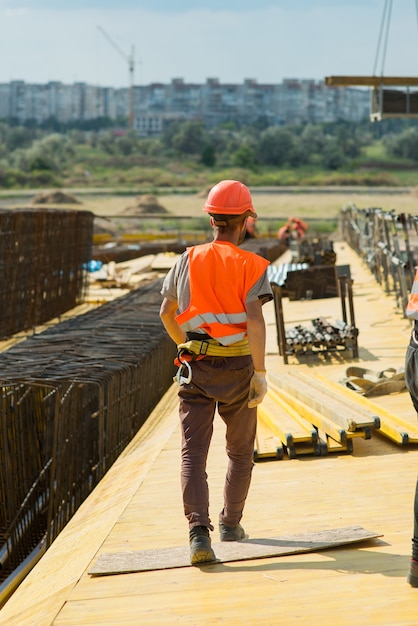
(256,331)
(168,312)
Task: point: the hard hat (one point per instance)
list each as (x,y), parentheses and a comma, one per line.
(229,197)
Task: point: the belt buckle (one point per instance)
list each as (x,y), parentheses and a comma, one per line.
(204,347)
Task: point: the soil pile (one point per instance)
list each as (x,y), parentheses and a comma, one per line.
(55,197)
(147,204)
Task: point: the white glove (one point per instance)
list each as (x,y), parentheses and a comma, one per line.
(258,388)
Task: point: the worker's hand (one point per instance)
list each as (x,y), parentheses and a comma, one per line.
(258,388)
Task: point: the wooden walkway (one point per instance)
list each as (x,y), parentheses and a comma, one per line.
(137,506)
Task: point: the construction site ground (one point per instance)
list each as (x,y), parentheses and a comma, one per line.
(137,506)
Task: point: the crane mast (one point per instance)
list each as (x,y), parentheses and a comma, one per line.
(131,66)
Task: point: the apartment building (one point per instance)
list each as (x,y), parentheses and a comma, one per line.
(293,101)
(5,101)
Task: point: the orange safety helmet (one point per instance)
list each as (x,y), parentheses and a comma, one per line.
(229,197)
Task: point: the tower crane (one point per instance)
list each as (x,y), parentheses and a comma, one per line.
(131,65)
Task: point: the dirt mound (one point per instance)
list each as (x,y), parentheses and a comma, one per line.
(144,204)
(55,197)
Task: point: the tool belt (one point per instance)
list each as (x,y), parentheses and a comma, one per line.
(196,349)
(211,347)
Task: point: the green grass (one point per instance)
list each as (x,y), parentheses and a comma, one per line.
(375,151)
(160,178)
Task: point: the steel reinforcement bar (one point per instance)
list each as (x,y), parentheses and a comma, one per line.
(72,398)
(387,242)
(43,259)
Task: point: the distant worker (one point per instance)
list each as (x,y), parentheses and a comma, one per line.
(299,227)
(411,380)
(295,228)
(212,309)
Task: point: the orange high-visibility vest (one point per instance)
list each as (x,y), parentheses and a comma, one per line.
(220,275)
(412,306)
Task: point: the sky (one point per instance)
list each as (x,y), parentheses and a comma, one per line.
(267,40)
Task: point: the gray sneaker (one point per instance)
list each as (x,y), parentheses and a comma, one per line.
(200,545)
(231,533)
(412,577)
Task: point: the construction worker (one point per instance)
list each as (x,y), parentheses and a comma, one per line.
(212,309)
(411,380)
(298,226)
(294,228)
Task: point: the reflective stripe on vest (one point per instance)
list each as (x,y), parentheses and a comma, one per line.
(218,324)
(412,306)
(220,275)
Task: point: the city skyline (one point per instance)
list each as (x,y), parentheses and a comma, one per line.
(92,41)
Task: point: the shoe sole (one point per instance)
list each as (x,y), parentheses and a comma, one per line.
(203,556)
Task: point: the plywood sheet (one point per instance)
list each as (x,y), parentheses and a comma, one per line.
(247,549)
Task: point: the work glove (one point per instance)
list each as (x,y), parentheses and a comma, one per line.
(258,388)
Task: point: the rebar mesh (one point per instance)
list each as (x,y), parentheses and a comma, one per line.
(43,256)
(72,398)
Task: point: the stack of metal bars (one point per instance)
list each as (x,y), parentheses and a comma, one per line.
(72,398)
(43,260)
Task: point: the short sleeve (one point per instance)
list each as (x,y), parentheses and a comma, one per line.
(176,284)
(261,290)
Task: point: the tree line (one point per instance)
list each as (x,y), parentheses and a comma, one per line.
(42,155)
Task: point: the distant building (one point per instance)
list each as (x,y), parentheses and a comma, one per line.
(5,101)
(294,101)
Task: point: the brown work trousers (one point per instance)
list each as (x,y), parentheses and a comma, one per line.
(221,383)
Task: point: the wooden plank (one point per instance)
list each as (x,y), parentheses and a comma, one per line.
(139,264)
(267,445)
(305,448)
(333,392)
(331,445)
(361,416)
(301,437)
(392,426)
(164,261)
(302,424)
(283,422)
(247,549)
(305,390)
(315,417)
